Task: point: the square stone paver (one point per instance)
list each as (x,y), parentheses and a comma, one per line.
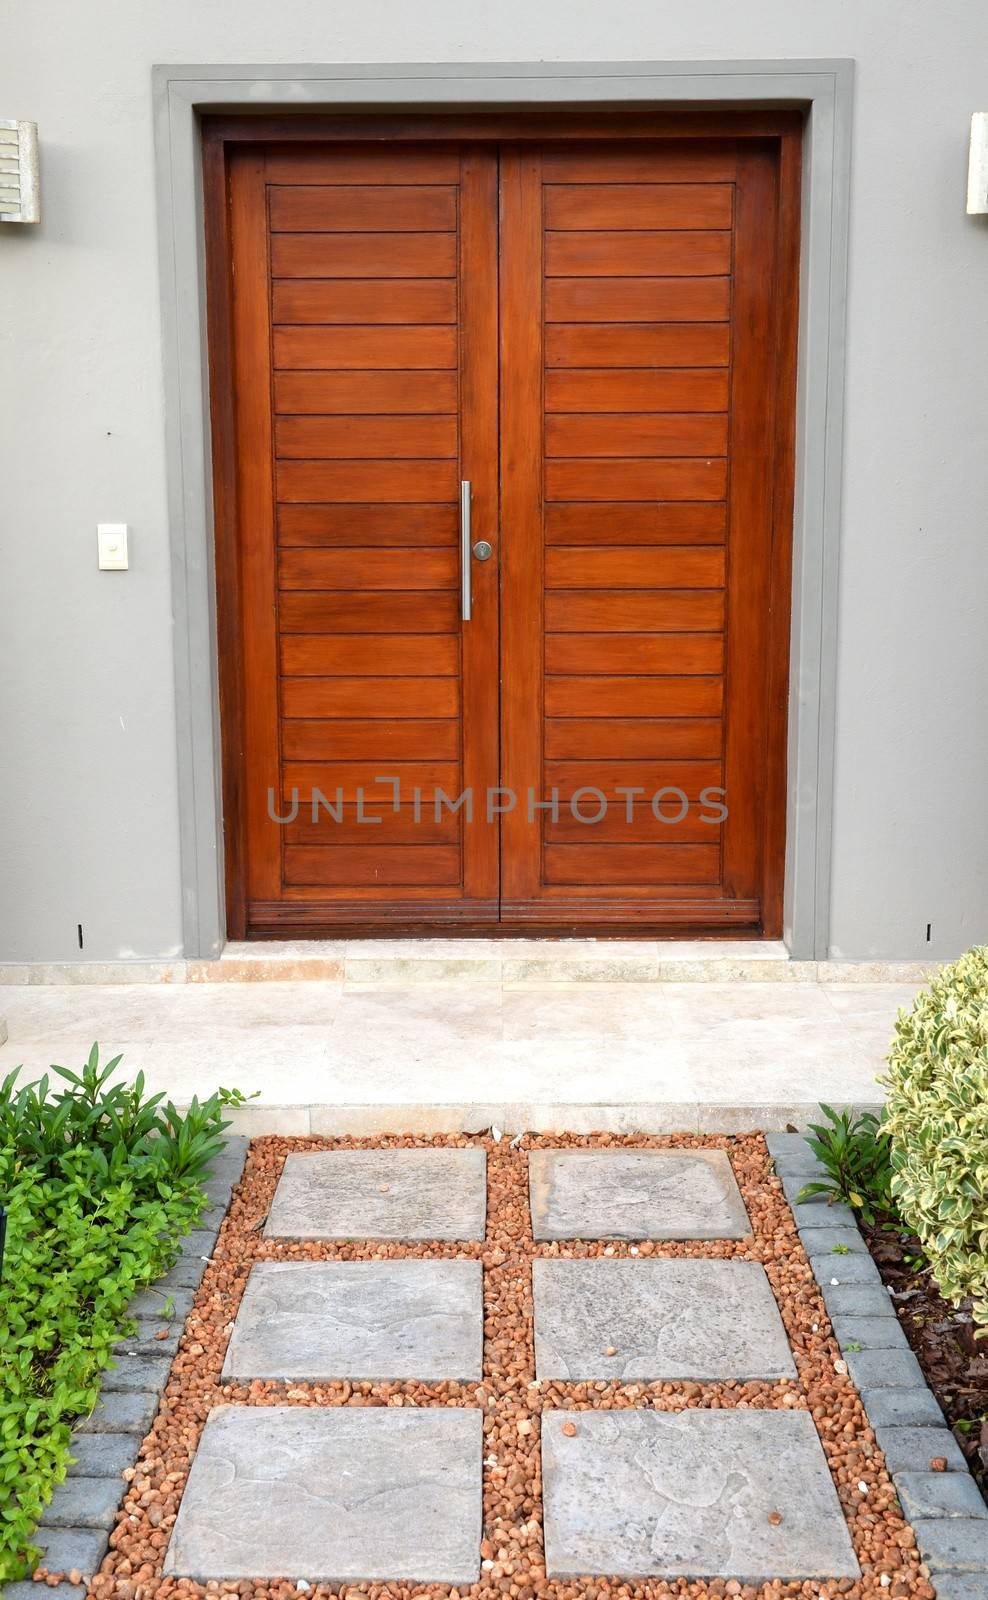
(333,1496)
(687,1320)
(635,1194)
(381,1194)
(360,1319)
(640,1494)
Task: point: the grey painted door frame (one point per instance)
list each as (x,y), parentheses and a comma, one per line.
(822,88)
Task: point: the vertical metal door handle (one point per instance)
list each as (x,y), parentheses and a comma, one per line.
(465,549)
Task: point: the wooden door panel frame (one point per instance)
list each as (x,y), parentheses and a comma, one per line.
(233,153)
(258,901)
(186,94)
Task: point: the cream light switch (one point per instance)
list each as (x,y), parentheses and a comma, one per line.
(111,543)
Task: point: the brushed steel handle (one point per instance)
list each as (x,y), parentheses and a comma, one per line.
(465,549)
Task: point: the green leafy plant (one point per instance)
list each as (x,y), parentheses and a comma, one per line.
(937,1121)
(100,1182)
(854,1152)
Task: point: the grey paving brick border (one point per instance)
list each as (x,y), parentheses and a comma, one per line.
(945,1509)
(74,1532)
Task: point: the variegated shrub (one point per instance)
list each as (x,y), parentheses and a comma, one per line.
(937,1118)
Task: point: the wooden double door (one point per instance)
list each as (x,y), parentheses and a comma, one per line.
(502,444)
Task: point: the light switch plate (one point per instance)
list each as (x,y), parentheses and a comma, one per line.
(111,544)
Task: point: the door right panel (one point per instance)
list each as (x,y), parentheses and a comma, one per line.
(642,408)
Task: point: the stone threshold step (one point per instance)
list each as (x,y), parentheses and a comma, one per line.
(337,1119)
(508,962)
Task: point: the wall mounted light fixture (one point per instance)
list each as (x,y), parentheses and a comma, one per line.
(20,199)
(977,168)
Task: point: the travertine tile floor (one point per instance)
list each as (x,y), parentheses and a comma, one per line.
(349,1056)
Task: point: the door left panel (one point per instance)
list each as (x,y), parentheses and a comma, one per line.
(364,381)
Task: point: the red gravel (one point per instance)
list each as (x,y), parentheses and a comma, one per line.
(510,1398)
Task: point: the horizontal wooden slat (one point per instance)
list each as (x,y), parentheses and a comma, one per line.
(636,522)
(367,208)
(365,255)
(374,697)
(665,567)
(349,611)
(613,777)
(378,824)
(622,344)
(602,696)
(636,255)
(620,610)
(643,654)
(350,776)
(381,393)
(635,300)
(369,569)
(430,438)
(641,161)
(371,739)
(637,205)
(322,655)
(428,345)
(385,300)
(366,480)
(371,525)
(334,866)
(652,864)
(640,826)
(636,389)
(696,478)
(372,162)
(622,738)
(614,434)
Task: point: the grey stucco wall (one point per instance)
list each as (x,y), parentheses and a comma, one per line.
(88,806)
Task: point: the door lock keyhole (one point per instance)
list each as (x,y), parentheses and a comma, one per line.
(482,550)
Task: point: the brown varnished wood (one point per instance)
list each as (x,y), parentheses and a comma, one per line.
(665,566)
(638,434)
(391,526)
(377,612)
(219,297)
(578,654)
(385,698)
(605,864)
(636,522)
(353,865)
(367,207)
(600,696)
(327,737)
(635,299)
(641,344)
(631,389)
(638,414)
(636,205)
(370,569)
(633,344)
(648,611)
(255,518)
(637,255)
(628,738)
(428,346)
(367,437)
(365,393)
(360,300)
(363,255)
(314,655)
